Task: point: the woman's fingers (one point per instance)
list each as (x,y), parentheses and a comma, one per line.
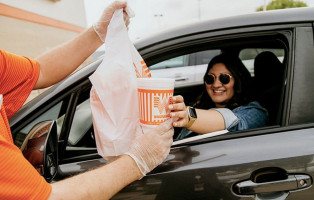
(178,114)
(180,123)
(177,103)
(178,111)
(181,118)
(177,107)
(177,99)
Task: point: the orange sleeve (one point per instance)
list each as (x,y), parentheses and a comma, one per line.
(18,178)
(18,76)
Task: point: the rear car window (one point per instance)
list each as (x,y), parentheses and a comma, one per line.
(248,55)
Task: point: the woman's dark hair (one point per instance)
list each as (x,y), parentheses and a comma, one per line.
(242,79)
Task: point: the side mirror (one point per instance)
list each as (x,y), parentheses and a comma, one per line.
(40,148)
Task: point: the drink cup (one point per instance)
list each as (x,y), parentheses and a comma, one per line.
(154,98)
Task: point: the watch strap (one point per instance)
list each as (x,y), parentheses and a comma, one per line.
(191,119)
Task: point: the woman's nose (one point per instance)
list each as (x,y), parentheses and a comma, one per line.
(217,83)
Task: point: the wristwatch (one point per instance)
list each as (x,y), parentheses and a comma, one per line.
(192,116)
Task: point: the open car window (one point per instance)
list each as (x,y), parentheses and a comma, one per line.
(250,51)
(81,132)
(51,114)
(180,61)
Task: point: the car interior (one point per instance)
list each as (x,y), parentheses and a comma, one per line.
(268,93)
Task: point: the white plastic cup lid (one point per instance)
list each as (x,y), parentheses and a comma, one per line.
(155,83)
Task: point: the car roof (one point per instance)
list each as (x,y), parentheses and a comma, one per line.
(293,15)
(282,16)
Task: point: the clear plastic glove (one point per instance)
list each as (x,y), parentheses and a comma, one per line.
(101,26)
(150,149)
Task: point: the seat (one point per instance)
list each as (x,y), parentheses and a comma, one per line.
(268,82)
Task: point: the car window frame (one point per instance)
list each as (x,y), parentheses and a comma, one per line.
(285,30)
(197,139)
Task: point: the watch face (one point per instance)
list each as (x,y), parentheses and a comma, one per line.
(192,112)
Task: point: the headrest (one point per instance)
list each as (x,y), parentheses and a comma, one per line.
(268,68)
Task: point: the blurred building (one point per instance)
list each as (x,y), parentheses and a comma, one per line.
(30,27)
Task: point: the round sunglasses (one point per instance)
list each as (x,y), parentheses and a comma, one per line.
(223,78)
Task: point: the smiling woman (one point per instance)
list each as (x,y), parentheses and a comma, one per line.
(224,103)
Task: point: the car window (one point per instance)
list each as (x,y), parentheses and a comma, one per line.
(81,132)
(186,70)
(203,57)
(249,54)
(179,61)
(51,114)
(269,96)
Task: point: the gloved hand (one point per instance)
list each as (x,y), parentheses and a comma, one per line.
(150,149)
(101,25)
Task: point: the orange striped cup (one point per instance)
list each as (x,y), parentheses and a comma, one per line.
(153,99)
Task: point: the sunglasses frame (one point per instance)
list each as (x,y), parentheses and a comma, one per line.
(219,78)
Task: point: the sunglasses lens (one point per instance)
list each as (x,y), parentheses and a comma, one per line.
(209,79)
(224,78)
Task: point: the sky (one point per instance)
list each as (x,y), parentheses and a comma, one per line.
(152,16)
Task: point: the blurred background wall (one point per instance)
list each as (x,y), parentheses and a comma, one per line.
(30,27)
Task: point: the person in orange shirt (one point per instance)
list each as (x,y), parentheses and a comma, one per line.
(18,76)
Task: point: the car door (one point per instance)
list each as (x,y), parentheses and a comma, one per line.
(262,166)
(273,162)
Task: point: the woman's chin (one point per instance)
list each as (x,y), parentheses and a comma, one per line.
(221,103)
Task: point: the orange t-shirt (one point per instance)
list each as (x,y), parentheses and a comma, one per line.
(18,178)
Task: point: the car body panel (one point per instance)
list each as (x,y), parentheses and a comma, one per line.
(302,97)
(216,167)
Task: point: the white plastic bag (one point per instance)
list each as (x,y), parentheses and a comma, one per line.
(114,101)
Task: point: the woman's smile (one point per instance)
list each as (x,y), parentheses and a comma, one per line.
(218,92)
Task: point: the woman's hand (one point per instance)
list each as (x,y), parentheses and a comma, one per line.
(178,112)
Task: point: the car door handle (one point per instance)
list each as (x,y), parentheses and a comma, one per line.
(182,79)
(292,182)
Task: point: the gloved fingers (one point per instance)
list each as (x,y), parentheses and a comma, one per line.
(118,4)
(167,138)
(108,12)
(168,134)
(100,27)
(165,126)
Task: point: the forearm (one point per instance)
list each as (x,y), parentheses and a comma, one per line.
(101,183)
(207,121)
(61,61)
